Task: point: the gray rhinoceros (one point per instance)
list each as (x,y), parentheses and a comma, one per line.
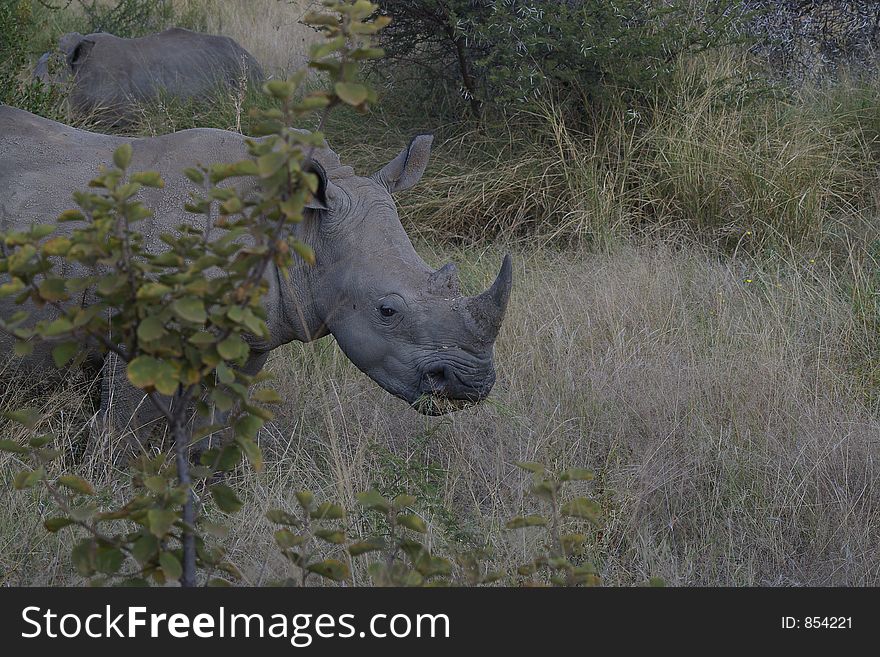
(404,324)
(112,77)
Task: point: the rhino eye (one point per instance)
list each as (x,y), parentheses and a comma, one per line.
(387,311)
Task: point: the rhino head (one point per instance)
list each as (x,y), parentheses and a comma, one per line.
(405,325)
(57,67)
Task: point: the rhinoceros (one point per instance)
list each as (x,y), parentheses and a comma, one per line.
(112,77)
(405,325)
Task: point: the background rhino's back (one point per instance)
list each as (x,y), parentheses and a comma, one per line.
(43,162)
(184,64)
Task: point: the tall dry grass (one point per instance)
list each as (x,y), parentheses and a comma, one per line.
(716,160)
(714,400)
(269,29)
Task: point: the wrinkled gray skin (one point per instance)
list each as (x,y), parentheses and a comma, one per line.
(405,325)
(110,76)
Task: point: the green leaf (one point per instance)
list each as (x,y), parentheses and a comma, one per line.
(156,484)
(190,309)
(82,556)
(328,511)
(248,426)
(531,466)
(122,156)
(225,497)
(403,501)
(279,88)
(572,542)
(41,441)
(12,446)
(370,545)
(218,582)
(56,523)
(283,517)
(412,522)
(144,548)
(267,396)
(232,348)
(166,379)
(576,474)
(195,175)
(53,289)
(143,370)
(76,484)
(148,179)
(269,163)
(26,417)
(526,521)
(305,498)
(27,478)
(151,328)
(230,457)
(252,451)
(331,569)
(287,539)
(225,373)
(304,251)
(60,326)
(372,499)
(170,566)
(160,521)
(23,348)
(108,560)
(214,529)
(582,507)
(351,93)
(334,536)
(63,352)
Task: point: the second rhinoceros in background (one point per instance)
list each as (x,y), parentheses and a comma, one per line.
(111,77)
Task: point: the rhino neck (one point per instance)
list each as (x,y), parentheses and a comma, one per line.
(290,303)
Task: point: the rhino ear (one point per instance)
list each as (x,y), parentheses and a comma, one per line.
(76,49)
(319,198)
(68,42)
(406,169)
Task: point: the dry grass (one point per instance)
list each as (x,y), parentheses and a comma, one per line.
(269,29)
(716,162)
(732,444)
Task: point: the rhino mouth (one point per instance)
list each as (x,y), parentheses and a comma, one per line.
(436,404)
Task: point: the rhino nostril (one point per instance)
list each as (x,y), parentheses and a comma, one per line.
(436,377)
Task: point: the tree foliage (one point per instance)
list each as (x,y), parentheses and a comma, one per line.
(508,52)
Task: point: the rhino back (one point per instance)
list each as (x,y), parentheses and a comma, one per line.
(42,163)
(181,63)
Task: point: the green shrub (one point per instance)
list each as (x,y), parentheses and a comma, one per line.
(509,52)
(20,27)
(128,18)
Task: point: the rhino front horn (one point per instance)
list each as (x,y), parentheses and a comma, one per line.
(487,309)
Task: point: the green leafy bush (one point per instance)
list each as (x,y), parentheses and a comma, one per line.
(128,18)
(19,28)
(398,551)
(507,52)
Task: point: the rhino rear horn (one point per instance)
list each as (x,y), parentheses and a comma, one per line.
(445,279)
(487,309)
